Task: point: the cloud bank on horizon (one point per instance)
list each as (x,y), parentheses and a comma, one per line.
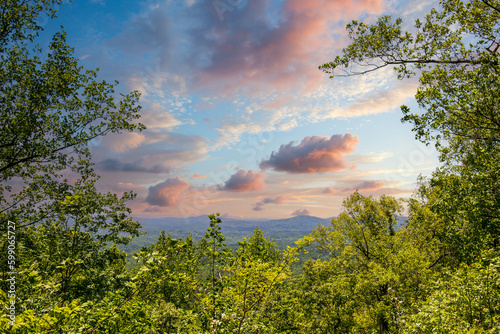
(239,118)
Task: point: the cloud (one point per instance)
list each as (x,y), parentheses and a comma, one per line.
(375,103)
(167,193)
(303,212)
(158,153)
(313,154)
(198,176)
(115,165)
(367,185)
(244,180)
(370,157)
(255,45)
(147,32)
(123,142)
(230,132)
(259,206)
(262,42)
(329,190)
(157,117)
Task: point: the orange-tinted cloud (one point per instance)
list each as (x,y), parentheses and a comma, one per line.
(274,104)
(158,117)
(168,192)
(198,176)
(313,154)
(367,185)
(246,46)
(244,180)
(160,153)
(123,142)
(252,46)
(259,206)
(303,212)
(377,102)
(329,190)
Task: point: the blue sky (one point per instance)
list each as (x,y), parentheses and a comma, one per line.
(240,120)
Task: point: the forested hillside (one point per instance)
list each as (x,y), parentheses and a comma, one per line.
(438,272)
(284,232)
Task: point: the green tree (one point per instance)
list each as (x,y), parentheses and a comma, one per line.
(249,286)
(168,285)
(176,264)
(51,109)
(463,301)
(454,215)
(373,274)
(454,52)
(218,255)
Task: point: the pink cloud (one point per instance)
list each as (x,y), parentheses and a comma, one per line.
(198,176)
(277,103)
(244,180)
(254,45)
(378,102)
(161,153)
(313,154)
(367,185)
(259,206)
(247,47)
(123,142)
(157,117)
(329,190)
(303,212)
(168,192)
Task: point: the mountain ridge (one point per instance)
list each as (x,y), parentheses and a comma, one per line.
(198,224)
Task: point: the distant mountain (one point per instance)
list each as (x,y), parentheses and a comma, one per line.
(283,231)
(199,224)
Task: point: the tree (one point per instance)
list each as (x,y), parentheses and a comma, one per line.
(373,274)
(217,257)
(463,301)
(454,216)
(454,51)
(51,109)
(243,297)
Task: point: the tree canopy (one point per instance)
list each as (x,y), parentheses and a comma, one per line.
(370,270)
(51,110)
(454,53)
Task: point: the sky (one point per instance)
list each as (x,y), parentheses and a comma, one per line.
(239,118)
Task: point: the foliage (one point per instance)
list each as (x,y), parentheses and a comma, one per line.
(372,268)
(454,215)
(368,273)
(257,272)
(463,301)
(52,109)
(454,53)
(65,229)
